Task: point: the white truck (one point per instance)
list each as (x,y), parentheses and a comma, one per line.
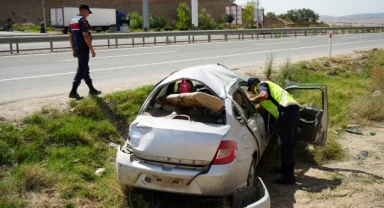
(100,19)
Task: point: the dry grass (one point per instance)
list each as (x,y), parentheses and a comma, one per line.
(269,64)
(377,75)
(367,108)
(34,178)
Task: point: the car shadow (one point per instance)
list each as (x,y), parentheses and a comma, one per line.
(152,199)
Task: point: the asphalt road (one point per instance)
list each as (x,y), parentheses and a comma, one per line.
(42,75)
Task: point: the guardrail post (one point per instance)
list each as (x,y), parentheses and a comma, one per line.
(305,33)
(17,46)
(189,39)
(51,45)
(252,36)
(133,41)
(271,35)
(242,36)
(226,37)
(117,43)
(264,35)
(174,39)
(257,36)
(239,36)
(154,40)
(109,43)
(11,48)
(193,39)
(143,41)
(209,38)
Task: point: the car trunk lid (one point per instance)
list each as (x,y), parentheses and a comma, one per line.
(175,141)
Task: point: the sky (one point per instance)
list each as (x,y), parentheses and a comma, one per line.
(323,7)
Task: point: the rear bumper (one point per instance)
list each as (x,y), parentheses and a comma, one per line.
(221,180)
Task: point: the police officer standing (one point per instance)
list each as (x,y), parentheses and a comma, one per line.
(81,43)
(280,104)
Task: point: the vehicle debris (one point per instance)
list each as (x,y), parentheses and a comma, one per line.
(362,155)
(100,171)
(376,93)
(354,129)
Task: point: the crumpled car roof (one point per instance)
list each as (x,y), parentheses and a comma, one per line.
(218,78)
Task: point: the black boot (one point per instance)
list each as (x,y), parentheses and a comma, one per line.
(92,90)
(73,93)
(288,177)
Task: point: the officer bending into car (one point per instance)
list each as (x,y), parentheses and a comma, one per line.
(281,105)
(81,43)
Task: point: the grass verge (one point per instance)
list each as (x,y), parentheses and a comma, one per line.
(55,154)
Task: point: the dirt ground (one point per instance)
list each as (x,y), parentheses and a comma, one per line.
(349,183)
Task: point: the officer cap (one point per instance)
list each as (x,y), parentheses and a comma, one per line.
(85,6)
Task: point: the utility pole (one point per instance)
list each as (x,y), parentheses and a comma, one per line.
(45,24)
(146,25)
(195,14)
(257,14)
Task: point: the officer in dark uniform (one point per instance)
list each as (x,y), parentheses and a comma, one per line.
(281,105)
(81,43)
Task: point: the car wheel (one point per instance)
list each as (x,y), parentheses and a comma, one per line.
(246,195)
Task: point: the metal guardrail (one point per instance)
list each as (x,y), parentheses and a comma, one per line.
(241,33)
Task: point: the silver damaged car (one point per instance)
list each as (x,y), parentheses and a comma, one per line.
(208,141)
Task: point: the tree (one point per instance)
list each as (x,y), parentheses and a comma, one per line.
(249,12)
(300,15)
(229,18)
(271,14)
(206,21)
(184,15)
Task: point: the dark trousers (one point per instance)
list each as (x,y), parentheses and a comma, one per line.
(82,67)
(287,127)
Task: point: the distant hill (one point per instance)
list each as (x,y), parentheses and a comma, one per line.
(355,19)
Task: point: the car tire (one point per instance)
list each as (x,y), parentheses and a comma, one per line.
(246,195)
(252,179)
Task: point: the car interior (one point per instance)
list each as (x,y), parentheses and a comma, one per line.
(199,105)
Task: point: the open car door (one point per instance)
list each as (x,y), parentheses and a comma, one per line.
(313,100)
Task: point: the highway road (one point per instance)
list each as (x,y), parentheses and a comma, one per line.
(43,75)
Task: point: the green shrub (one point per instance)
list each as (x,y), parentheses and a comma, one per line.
(168,28)
(206,20)
(136,20)
(184,17)
(157,21)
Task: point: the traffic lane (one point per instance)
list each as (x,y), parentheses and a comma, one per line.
(188,51)
(28,65)
(139,41)
(316,38)
(58,84)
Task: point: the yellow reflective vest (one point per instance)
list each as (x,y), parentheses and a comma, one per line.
(278,97)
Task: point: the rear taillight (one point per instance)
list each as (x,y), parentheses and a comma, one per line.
(226,152)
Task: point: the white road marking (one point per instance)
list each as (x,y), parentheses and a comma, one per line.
(107,57)
(187,60)
(276,43)
(355,37)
